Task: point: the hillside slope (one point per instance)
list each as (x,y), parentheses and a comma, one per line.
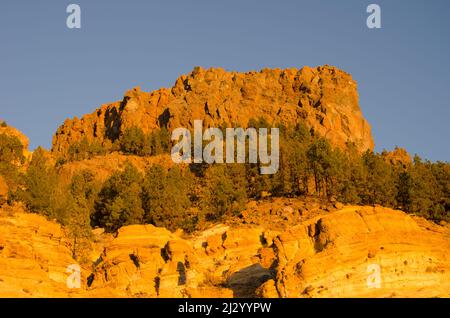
(331,254)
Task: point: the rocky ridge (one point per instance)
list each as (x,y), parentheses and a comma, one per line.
(324,98)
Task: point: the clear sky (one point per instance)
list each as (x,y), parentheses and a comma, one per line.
(49,72)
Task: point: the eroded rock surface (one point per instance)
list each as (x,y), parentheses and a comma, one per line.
(353,251)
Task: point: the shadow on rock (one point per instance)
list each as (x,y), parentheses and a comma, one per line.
(244,282)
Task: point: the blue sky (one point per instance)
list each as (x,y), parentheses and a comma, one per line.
(49,72)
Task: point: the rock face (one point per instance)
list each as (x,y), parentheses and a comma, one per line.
(34,256)
(398,156)
(145,261)
(324,98)
(362,252)
(350,252)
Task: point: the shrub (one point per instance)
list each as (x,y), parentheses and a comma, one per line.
(159,141)
(133,141)
(85,150)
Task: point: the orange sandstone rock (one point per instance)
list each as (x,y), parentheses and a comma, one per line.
(324,98)
(333,254)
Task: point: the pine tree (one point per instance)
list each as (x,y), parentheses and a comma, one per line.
(40,183)
(353,181)
(404,190)
(166,197)
(320,163)
(76,219)
(379,185)
(224,190)
(11,155)
(425,192)
(119,202)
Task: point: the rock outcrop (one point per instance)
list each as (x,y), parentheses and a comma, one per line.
(398,156)
(362,252)
(11,131)
(34,256)
(352,251)
(324,98)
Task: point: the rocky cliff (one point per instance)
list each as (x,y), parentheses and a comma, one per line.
(324,98)
(350,251)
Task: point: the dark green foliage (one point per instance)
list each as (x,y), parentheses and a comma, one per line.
(42,192)
(40,186)
(4,124)
(76,219)
(119,202)
(84,189)
(441,172)
(159,142)
(166,197)
(429,195)
(292,178)
(258,185)
(353,179)
(160,198)
(309,165)
(178,198)
(60,162)
(11,156)
(224,191)
(259,123)
(134,141)
(85,150)
(379,182)
(404,190)
(80,200)
(320,164)
(11,149)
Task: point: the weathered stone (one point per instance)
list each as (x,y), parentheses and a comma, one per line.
(324,98)
(326,255)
